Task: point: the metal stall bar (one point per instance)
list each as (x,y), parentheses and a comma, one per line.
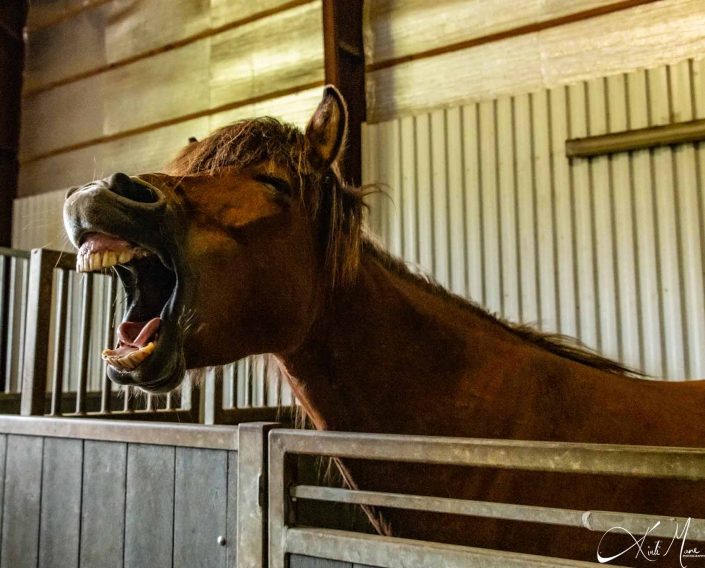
(83,350)
(640,461)
(251,494)
(57,380)
(9,258)
(36,344)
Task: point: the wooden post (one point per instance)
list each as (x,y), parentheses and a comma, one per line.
(344,61)
(13,15)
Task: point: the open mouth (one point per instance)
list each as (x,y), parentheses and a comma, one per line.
(150,285)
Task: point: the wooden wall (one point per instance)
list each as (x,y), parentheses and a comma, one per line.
(122,84)
(423,55)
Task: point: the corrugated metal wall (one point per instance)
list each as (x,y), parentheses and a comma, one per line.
(608,249)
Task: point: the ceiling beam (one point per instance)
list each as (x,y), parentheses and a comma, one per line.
(344,62)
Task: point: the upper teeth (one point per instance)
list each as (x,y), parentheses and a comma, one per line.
(105,259)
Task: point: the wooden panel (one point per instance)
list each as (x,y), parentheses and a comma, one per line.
(226,11)
(231,513)
(23,480)
(50,12)
(652,34)
(63,116)
(300,561)
(266,56)
(397,29)
(51,56)
(136,26)
(148,151)
(169,85)
(61,503)
(201,497)
(296,109)
(103,504)
(149,506)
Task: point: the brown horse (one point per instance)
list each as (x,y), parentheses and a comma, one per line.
(251,243)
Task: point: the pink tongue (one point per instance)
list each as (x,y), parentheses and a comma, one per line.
(97,242)
(138,334)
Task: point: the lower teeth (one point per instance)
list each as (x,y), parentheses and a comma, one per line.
(131,360)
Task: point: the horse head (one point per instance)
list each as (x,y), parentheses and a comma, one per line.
(230,252)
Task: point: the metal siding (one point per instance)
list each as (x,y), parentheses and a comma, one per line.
(609,249)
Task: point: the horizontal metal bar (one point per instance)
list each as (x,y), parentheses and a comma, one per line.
(639,461)
(654,136)
(600,521)
(16,253)
(187,435)
(390,552)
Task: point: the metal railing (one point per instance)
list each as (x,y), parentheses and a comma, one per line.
(54,322)
(286,538)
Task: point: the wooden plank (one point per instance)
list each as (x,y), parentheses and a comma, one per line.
(200,508)
(151,24)
(223,12)
(74,112)
(231,513)
(103,504)
(145,152)
(149,507)
(23,482)
(649,35)
(398,29)
(163,93)
(3,469)
(61,503)
(266,56)
(51,12)
(301,561)
(70,47)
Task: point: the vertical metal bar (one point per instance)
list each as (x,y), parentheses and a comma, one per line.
(4,319)
(83,350)
(57,379)
(105,395)
(36,344)
(251,494)
(280,475)
(128,404)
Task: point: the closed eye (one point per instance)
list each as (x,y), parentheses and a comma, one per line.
(277,184)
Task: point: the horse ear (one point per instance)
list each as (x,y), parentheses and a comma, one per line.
(327,129)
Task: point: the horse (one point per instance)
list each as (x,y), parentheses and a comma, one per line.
(251,243)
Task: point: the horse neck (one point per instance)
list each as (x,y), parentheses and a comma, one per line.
(389,348)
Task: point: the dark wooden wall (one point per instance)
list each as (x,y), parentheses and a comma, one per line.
(70,503)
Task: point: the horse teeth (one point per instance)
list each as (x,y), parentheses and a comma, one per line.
(99,260)
(131,360)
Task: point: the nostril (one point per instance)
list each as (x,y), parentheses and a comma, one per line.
(128,188)
(71,190)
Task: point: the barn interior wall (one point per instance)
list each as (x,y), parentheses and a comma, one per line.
(122,84)
(608,249)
